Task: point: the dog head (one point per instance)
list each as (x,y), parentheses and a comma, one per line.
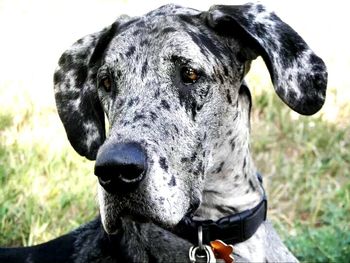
(167,83)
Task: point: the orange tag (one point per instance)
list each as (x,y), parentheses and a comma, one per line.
(222,251)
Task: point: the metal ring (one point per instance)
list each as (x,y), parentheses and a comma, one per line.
(200,238)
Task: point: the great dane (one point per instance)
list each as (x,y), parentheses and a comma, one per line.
(174,166)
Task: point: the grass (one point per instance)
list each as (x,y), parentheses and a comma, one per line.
(44,192)
(48,190)
(306,164)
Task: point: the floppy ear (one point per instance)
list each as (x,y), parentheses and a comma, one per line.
(76,94)
(298,75)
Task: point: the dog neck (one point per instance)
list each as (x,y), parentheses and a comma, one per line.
(231,184)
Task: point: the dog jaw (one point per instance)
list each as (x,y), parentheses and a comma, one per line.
(164,208)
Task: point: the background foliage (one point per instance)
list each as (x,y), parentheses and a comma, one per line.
(46,189)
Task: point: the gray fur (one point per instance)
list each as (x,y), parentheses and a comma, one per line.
(196,136)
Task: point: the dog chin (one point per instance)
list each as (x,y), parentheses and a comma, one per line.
(112,223)
(113,216)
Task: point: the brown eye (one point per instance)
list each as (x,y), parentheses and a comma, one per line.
(106,83)
(189,75)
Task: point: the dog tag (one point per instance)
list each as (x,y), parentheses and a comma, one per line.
(202,255)
(222,251)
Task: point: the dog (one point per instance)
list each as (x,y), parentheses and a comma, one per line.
(175,168)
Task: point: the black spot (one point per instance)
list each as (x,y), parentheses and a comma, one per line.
(144,42)
(172,181)
(118,73)
(153,115)
(133,101)
(136,32)
(229,133)
(251,185)
(58,77)
(81,75)
(220,78)
(139,117)
(225,71)
(154,31)
(184,160)
(163,163)
(65,61)
(156,93)
(131,51)
(144,69)
(119,103)
(130,103)
(176,129)
(228,96)
(146,125)
(81,57)
(219,168)
(168,30)
(232,143)
(199,168)
(165,104)
(160,14)
(194,110)
(125,123)
(260,8)
(193,157)
(236,177)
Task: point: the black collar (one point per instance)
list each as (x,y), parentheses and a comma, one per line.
(230,229)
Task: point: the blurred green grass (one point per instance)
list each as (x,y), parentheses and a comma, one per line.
(44,192)
(306,163)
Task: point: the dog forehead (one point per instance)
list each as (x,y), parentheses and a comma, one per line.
(154,29)
(163,33)
(172,9)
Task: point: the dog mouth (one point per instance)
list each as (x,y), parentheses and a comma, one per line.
(113,222)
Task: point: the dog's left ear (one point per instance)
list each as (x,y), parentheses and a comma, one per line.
(298,75)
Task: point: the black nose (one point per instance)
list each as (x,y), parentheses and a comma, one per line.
(120,167)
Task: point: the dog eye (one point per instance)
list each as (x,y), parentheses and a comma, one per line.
(189,75)
(106,83)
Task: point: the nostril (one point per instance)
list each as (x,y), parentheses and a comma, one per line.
(104,179)
(120,166)
(130,173)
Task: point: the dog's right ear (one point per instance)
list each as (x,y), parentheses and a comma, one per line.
(299,76)
(76,94)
